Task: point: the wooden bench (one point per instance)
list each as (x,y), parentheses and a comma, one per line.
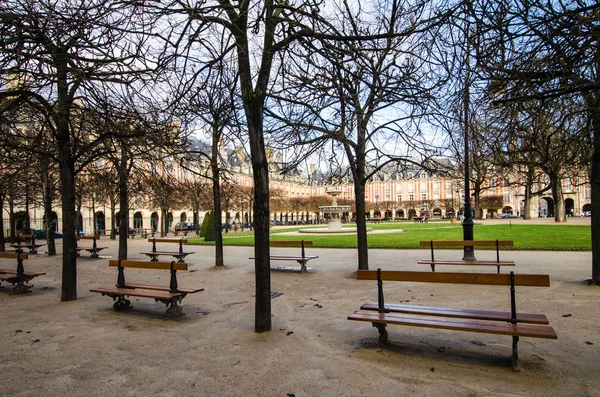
(144,232)
(21,244)
(19,278)
(179,255)
(302,259)
(469,243)
(170,295)
(510,323)
(420,219)
(94,249)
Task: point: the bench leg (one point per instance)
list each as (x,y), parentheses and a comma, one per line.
(515,354)
(173,309)
(302,265)
(154,258)
(432,267)
(122,303)
(383,334)
(95,254)
(20,288)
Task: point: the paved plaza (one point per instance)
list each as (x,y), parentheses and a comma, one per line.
(84,348)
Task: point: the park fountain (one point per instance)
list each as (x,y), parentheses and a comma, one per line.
(335,212)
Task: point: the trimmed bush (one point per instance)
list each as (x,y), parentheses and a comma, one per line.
(210,228)
(204,225)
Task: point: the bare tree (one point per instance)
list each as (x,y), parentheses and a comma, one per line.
(54,52)
(367,96)
(539,50)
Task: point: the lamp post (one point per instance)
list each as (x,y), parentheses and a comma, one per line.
(469,252)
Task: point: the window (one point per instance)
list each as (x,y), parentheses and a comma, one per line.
(436,187)
(423,196)
(587,193)
(507,197)
(423,186)
(411,187)
(411,197)
(568,186)
(399,197)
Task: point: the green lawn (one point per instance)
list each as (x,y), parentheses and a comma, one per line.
(526,237)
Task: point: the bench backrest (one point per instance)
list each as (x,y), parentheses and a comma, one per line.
(13,255)
(149,265)
(88,237)
(168,240)
(181,241)
(291,243)
(467,243)
(530,280)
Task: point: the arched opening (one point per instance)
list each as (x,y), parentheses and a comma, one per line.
(138,220)
(507,210)
(388,214)
(376,214)
(546,207)
(569,207)
(437,213)
(169,220)
(587,208)
(154,220)
(400,214)
(183,217)
(100,222)
(79,231)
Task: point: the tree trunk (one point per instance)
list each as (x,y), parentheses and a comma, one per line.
(11,218)
(528,195)
(67,172)
(2,239)
(216,181)
(361,226)
(557,195)
(260,169)
(113,211)
(47,193)
(594,105)
(123,205)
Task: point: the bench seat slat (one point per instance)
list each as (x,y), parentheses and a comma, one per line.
(167,240)
(6,275)
(500,328)
(166,253)
(459,313)
(162,288)
(149,265)
(461,262)
(467,243)
(13,255)
(291,243)
(143,293)
(289,257)
(531,280)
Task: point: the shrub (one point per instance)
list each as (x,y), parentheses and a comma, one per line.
(210,227)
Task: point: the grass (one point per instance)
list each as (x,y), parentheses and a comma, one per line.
(555,237)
